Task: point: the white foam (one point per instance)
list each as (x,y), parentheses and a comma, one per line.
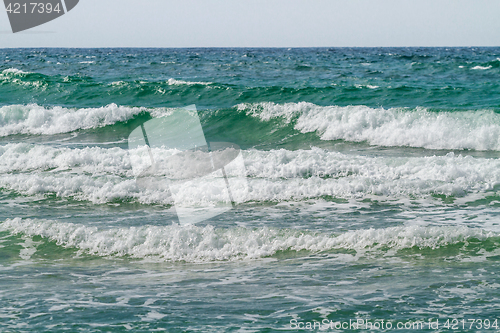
(26,158)
(284,175)
(172,81)
(35,119)
(92,174)
(482,67)
(479,130)
(103,175)
(15,76)
(13,71)
(369,86)
(201,244)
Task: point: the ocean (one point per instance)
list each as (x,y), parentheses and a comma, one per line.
(372,198)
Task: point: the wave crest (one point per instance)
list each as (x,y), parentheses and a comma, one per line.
(478,130)
(205,244)
(35,119)
(103,175)
(12,72)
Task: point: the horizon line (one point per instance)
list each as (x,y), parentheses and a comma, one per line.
(243,47)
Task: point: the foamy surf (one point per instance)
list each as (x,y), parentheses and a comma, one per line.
(354,230)
(394,127)
(205,244)
(102,175)
(36,119)
(478,130)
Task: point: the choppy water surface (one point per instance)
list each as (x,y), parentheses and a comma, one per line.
(373,190)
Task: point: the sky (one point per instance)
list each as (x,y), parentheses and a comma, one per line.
(265,23)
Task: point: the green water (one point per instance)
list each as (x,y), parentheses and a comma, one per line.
(372,191)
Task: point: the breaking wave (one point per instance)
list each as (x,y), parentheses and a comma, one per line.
(204,244)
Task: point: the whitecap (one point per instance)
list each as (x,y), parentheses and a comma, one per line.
(172,81)
(478,130)
(104,175)
(205,244)
(13,71)
(35,119)
(481,67)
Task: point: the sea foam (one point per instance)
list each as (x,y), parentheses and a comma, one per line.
(175,82)
(102,175)
(204,244)
(12,71)
(478,130)
(35,119)
(482,67)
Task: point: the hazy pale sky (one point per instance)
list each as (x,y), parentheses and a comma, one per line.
(265,23)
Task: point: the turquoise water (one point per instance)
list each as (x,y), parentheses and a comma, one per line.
(373,191)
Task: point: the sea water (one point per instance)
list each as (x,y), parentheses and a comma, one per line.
(373,191)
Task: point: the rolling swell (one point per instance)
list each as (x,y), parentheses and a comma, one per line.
(270,125)
(338,78)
